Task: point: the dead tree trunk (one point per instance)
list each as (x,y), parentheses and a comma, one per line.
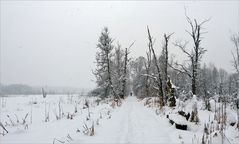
(126,59)
(124,74)
(147,67)
(165,63)
(195,55)
(159,78)
(196,33)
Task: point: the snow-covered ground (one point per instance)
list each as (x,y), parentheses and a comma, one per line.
(39,131)
(194,133)
(132,122)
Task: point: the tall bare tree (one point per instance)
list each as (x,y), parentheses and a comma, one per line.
(165,63)
(126,60)
(158,80)
(195,54)
(147,65)
(235,40)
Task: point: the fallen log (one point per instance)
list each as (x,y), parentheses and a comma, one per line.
(179,121)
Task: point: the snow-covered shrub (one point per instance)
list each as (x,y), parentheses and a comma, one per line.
(98,101)
(172,101)
(212,104)
(171,93)
(147,102)
(89,130)
(207,104)
(194,114)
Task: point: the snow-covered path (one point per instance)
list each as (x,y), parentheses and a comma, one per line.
(132,123)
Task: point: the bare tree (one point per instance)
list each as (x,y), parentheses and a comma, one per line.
(235,40)
(165,62)
(126,59)
(147,65)
(196,53)
(137,72)
(158,80)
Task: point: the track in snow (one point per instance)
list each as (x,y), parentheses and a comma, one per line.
(133,123)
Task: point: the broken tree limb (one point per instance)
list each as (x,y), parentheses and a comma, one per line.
(3,127)
(57,141)
(24,120)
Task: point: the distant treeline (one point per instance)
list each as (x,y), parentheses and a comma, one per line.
(26,89)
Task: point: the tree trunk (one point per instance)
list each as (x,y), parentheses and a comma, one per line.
(125,72)
(159,80)
(110,84)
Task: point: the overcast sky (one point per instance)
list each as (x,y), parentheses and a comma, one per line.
(54,43)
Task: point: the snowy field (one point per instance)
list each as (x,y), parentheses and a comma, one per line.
(132,122)
(67,116)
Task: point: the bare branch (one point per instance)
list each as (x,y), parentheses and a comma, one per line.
(184,68)
(179,70)
(235,63)
(205,21)
(183,47)
(150,76)
(235,40)
(159,81)
(131,45)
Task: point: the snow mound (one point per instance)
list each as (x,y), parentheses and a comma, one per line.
(178,119)
(231,118)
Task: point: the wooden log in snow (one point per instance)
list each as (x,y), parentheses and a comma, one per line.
(179,121)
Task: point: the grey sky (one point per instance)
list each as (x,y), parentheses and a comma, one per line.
(54,43)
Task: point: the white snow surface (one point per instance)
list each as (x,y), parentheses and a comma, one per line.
(132,122)
(129,123)
(178,119)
